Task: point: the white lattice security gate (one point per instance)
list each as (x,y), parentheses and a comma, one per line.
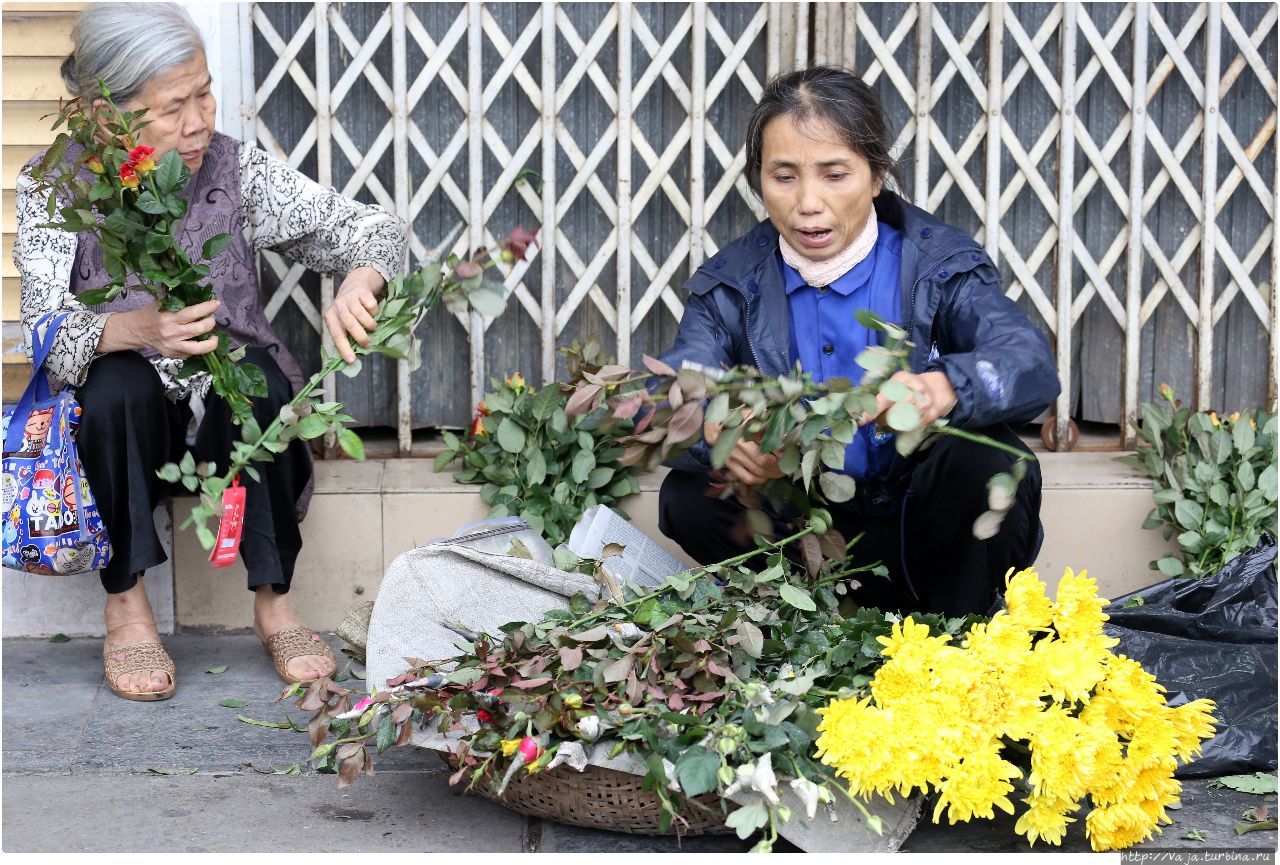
(1117,160)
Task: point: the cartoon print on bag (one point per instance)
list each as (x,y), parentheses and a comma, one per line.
(45,517)
(30,555)
(36,431)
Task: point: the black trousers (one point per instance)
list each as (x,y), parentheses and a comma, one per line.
(128,430)
(919,524)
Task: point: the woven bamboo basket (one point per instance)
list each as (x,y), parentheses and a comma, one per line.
(598,798)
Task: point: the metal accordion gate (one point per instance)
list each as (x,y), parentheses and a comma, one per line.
(1117,160)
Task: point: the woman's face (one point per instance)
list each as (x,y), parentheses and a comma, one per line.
(816,190)
(181,107)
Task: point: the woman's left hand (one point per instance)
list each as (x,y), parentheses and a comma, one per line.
(351,314)
(931,393)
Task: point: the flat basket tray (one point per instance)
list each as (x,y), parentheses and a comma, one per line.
(599,798)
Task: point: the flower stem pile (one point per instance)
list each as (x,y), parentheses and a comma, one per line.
(534,460)
(1039,677)
(713,682)
(1215,481)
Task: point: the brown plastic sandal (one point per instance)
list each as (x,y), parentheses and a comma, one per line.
(289,643)
(134,659)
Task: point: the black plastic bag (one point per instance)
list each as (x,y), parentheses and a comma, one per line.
(1214,638)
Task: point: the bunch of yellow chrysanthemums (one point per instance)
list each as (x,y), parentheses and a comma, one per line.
(1040,676)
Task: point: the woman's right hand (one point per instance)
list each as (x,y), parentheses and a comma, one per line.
(746,462)
(170,334)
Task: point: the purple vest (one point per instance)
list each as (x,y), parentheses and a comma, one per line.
(215,208)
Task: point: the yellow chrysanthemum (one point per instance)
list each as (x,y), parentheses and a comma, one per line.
(1154,738)
(998,642)
(1097,724)
(1056,743)
(906,633)
(1120,825)
(1192,723)
(1029,606)
(1046,819)
(1156,783)
(1072,668)
(978,786)
(1077,610)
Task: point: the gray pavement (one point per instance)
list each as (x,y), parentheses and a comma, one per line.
(82,767)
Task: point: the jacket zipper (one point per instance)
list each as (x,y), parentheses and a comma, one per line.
(750,342)
(911,313)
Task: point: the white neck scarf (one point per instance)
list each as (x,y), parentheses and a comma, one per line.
(827,271)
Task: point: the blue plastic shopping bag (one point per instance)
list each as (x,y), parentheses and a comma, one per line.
(50,521)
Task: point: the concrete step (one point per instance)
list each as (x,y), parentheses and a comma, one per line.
(365,514)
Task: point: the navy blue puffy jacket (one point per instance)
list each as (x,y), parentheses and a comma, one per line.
(958,318)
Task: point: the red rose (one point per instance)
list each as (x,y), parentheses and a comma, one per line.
(128,177)
(140,159)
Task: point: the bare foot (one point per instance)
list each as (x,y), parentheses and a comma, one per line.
(273,613)
(130,622)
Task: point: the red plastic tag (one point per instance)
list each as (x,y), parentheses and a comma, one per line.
(230,527)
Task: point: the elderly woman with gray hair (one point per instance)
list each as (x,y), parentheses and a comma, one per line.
(124,357)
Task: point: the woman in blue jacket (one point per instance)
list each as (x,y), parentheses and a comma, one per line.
(837,241)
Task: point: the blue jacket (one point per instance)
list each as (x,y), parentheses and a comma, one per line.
(956,313)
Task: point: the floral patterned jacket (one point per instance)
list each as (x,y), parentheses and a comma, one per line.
(278,208)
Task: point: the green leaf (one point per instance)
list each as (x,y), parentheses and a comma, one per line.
(696,770)
(796,597)
(510,436)
(59,638)
(489,304)
(232,704)
(718,409)
(724,445)
(218,668)
(1245,475)
(1265,825)
(275,725)
(583,462)
(350,443)
(546,401)
(386,734)
(837,487)
(214,245)
(312,426)
(171,174)
(535,468)
(1242,434)
(903,417)
(1189,514)
(169,472)
(147,203)
(352,369)
(1259,783)
(1170,567)
(205,536)
(833,454)
(1267,482)
(174,771)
